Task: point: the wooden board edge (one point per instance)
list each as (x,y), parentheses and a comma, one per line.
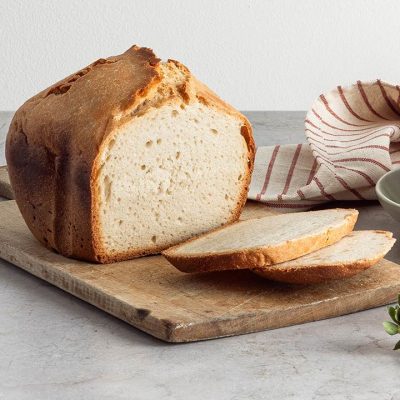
(332,308)
(6,190)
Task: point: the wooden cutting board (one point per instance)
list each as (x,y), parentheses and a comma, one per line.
(151,295)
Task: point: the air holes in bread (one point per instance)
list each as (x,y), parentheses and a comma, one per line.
(111,144)
(107,188)
(164,161)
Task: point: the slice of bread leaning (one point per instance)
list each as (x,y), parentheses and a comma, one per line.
(351,255)
(127,157)
(263,241)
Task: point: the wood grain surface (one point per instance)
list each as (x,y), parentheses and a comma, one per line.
(151,295)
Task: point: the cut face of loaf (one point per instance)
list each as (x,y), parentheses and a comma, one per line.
(351,255)
(168,175)
(264,241)
(127,157)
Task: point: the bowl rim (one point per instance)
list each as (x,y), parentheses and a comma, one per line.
(378,187)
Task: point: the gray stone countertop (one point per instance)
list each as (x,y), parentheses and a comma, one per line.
(54,346)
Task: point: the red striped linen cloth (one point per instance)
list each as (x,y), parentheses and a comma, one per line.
(353,138)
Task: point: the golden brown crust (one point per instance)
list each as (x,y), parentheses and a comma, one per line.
(56,136)
(317,274)
(260,257)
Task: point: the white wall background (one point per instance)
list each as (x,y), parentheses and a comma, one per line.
(257,54)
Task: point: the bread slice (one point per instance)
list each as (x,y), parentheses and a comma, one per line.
(351,255)
(127,157)
(263,241)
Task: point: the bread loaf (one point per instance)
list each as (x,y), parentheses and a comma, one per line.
(264,241)
(127,157)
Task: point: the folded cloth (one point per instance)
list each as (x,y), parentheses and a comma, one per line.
(351,142)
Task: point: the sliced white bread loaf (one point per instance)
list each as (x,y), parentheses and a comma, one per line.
(351,255)
(127,157)
(263,241)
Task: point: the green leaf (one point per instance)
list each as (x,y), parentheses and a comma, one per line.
(393,314)
(398,313)
(390,328)
(398,299)
(397,347)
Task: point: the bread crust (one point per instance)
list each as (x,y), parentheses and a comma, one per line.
(260,257)
(306,275)
(55,138)
(317,274)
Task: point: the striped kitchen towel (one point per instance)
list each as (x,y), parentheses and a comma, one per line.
(353,138)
